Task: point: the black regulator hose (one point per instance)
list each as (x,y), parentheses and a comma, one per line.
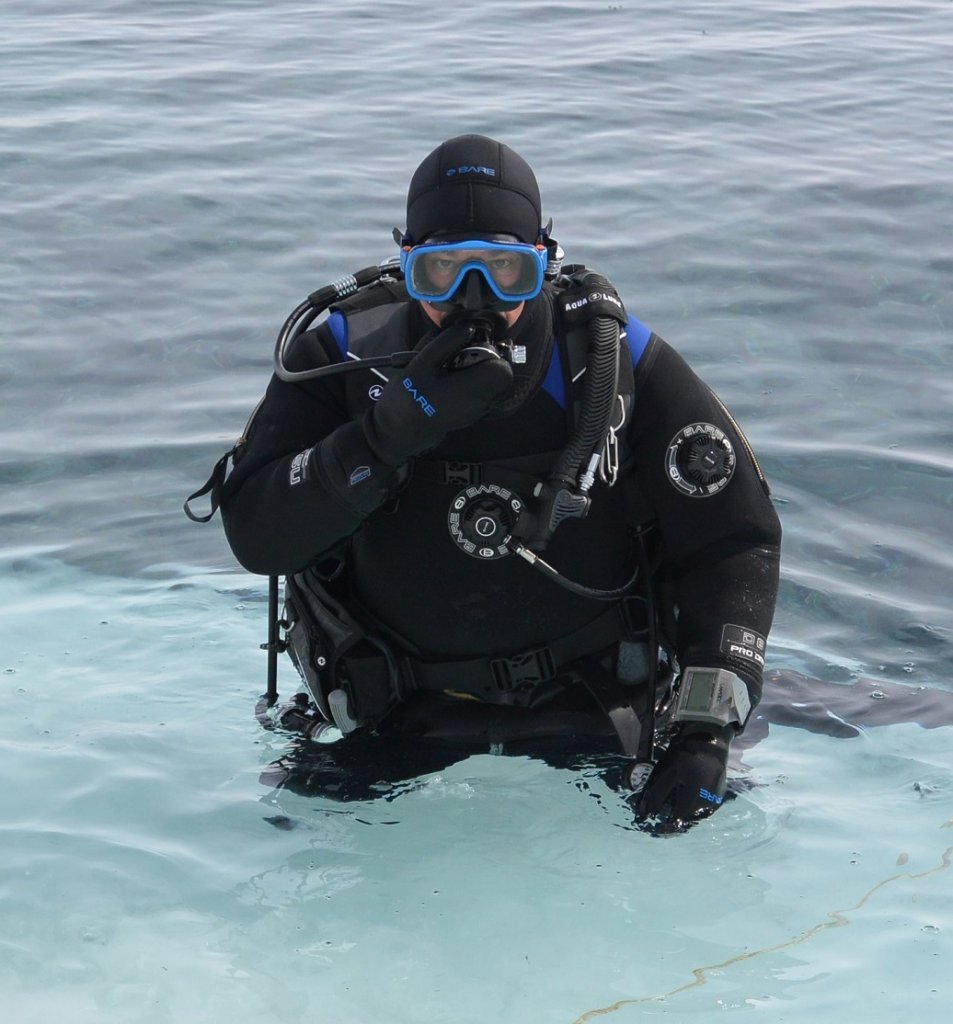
(598,401)
(565,493)
(576,588)
(301,318)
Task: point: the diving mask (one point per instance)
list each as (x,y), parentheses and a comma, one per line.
(435,270)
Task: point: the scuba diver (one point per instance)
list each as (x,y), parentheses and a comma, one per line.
(509,516)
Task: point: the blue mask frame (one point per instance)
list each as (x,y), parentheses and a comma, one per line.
(529,268)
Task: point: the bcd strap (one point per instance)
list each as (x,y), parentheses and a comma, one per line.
(336,652)
(619,705)
(519,474)
(514,678)
(335,648)
(219,471)
(213,485)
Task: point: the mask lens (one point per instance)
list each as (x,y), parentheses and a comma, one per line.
(513,271)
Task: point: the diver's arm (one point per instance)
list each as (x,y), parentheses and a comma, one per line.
(722,540)
(311,476)
(305,479)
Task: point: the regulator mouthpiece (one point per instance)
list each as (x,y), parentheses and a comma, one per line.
(489,341)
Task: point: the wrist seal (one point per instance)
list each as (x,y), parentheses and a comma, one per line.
(712,696)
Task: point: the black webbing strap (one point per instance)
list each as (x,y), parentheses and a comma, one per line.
(617,702)
(502,678)
(213,485)
(520,474)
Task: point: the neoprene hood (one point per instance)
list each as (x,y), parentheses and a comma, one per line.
(473,185)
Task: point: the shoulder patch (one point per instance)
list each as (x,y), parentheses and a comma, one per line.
(637,336)
(337,324)
(700,460)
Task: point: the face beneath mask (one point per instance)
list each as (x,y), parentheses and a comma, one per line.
(439,315)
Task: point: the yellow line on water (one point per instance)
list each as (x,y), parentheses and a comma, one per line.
(837,919)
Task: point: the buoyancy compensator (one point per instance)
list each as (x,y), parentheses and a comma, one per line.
(488,520)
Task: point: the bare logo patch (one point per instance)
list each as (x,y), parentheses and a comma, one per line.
(700,460)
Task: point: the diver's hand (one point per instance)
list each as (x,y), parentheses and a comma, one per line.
(425,401)
(689,781)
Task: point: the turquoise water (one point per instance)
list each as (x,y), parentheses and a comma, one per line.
(769,187)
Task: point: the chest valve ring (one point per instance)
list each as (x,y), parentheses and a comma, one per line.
(482,518)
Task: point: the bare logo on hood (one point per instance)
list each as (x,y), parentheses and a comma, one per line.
(452,172)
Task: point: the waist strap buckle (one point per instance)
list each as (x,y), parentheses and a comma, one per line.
(527,668)
(463,474)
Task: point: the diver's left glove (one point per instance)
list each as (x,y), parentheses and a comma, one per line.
(689,781)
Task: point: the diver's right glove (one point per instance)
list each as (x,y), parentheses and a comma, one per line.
(425,401)
(364,462)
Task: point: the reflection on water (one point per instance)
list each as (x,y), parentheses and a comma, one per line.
(143,840)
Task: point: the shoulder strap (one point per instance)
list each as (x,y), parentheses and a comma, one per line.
(219,471)
(213,485)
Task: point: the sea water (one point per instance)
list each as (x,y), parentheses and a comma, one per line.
(768,186)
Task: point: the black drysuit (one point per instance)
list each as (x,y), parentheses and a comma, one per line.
(304,480)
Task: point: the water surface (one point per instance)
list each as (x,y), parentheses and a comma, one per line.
(768,186)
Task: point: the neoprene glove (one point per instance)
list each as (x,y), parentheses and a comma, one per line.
(425,401)
(689,781)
